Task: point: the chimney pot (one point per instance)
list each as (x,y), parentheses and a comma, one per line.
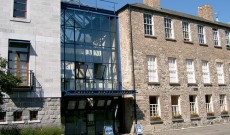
(152,3)
(206,12)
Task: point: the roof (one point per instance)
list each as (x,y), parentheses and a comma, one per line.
(171,12)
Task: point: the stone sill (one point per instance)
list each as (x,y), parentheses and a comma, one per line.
(221,84)
(192,84)
(24,20)
(219,47)
(207,84)
(177,120)
(170,39)
(153,83)
(34,121)
(195,118)
(150,36)
(203,45)
(224,116)
(174,84)
(211,117)
(18,122)
(3,123)
(188,42)
(156,122)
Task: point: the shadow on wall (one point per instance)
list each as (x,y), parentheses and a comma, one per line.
(129,114)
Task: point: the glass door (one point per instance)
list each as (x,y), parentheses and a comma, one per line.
(90,123)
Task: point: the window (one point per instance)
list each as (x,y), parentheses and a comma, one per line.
(99,71)
(148,24)
(208,101)
(2,116)
(220,72)
(201,34)
(193,104)
(173,70)
(176,110)
(20,8)
(33,115)
(152,69)
(18,57)
(18,116)
(227,37)
(186,31)
(215,37)
(190,71)
(168,28)
(80,70)
(154,106)
(223,103)
(205,72)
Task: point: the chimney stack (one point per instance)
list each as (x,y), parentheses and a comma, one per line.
(152,3)
(206,12)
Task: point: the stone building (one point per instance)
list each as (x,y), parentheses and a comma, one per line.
(30,40)
(179,64)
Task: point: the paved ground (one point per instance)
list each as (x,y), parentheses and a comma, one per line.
(223,129)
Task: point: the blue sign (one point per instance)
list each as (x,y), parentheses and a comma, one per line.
(139,130)
(108,130)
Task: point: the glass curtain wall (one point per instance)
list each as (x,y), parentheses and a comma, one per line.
(88,51)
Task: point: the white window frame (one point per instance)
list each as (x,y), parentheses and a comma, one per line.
(148,24)
(155,108)
(152,69)
(220,72)
(216,37)
(223,103)
(176,109)
(201,34)
(209,105)
(27,19)
(227,38)
(190,71)
(194,105)
(169,32)
(205,72)
(173,73)
(186,31)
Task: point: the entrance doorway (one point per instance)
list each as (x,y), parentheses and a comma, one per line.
(90,115)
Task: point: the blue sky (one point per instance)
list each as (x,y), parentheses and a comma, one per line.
(222,7)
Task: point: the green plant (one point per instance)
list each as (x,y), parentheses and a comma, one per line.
(210,114)
(155,118)
(42,131)
(177,116)
(194,115)
(224,112)
(10,130)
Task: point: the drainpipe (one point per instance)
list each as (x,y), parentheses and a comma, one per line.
(131,43)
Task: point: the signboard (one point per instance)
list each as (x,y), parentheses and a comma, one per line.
(139,130)
(108,130)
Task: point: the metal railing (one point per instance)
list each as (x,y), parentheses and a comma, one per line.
(175,110)
(154,110)
(193,107)
(209,107)
(27,78)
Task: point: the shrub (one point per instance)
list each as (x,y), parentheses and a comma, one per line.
(194,115)
(10,130)
(155,118)
(178,116)
(224,112)
(42,131)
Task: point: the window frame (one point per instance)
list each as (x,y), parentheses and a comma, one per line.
(173,71)
(216,37)
(201,34)
(152,69)
(190,70)
(17,116)
(2,117)
(220,72)
(223,103)
(18,10)
(148,24)
(186,31)
(32,114)
(227,38)
(169,32)
(206,72)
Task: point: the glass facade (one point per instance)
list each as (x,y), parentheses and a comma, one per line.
(88,51)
